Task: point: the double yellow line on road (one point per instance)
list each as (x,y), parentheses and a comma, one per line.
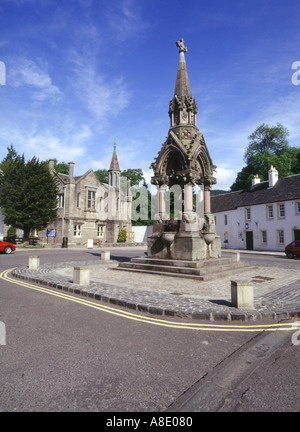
(149,320)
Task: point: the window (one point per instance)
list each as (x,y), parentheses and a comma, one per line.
(248,214)
(91,202)
(280,237)
(281,210)
(77,230)
(264,238)
(61,200)
(270,212)
(78,200)
(298,207)
(100,231)
(225,220)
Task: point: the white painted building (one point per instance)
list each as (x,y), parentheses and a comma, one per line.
(264,217)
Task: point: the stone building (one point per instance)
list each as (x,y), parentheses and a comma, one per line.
(264,217)
(89,209)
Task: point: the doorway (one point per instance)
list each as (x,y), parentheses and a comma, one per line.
(297,234)
(249,240)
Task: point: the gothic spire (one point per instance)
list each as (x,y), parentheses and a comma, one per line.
(183,107)
(114,165)
(182,87)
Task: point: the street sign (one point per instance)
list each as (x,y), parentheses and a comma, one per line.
(51,232)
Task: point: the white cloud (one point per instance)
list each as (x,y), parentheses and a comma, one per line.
(225,177)
(100,94)
(124,18)
(27,73)
(285,110)
(66,144)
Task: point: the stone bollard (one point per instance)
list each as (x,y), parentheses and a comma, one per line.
(81,275)
(236,256)
(34,262)
(242,294)
(105,255)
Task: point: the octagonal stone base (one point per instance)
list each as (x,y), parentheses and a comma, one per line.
(186,246)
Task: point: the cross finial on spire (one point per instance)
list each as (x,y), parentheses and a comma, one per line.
(181,46)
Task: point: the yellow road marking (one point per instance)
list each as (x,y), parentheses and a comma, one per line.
(150,320)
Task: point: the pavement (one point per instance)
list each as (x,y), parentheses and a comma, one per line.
(276,290)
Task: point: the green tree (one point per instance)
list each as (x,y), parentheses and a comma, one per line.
(28,193)
(268,146)
(11,234)
(61,167)
(135,175)
(102,175)
(122,237)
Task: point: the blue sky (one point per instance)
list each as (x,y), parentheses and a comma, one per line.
(83,73)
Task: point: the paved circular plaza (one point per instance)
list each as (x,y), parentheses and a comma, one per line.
(276,290)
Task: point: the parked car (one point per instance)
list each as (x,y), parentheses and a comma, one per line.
(6,247)
(293,249)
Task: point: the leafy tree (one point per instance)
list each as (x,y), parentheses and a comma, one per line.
(102,175)
(11,234)
(136,175)
(268,146)
(61,167)
(28,193)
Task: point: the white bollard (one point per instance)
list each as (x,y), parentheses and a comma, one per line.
(81,275)
(242,294)
(34,262)
(105,255)
(236,256)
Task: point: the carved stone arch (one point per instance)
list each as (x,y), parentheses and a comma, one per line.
(203,160)
(173,161)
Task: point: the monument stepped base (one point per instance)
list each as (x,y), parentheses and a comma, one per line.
(199,270)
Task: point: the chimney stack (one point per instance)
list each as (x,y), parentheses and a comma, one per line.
(71,171)
(255,180)
(273,176)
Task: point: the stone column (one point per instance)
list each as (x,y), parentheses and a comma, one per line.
(188,197)
(208,182)
(162,201)
(207,208)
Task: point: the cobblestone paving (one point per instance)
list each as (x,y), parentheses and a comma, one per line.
(276,290)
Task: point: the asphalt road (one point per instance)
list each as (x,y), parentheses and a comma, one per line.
(65,356)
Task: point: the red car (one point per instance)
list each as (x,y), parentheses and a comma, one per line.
(293,249)
(6,247)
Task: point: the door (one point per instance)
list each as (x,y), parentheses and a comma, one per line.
(249,240)
(297,234)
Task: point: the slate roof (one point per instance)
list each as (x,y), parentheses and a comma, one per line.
(286,189)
